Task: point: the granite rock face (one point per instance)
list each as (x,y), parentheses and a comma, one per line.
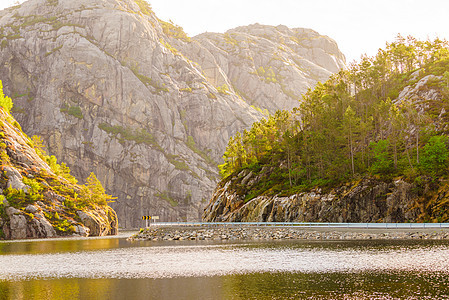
(269,67)
(114,90)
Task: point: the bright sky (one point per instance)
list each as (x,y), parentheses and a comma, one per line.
(358,26)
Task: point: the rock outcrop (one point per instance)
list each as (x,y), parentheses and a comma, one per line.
(32,201)
(114,90)
(364,201)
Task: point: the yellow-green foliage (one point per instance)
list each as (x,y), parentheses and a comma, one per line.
(175,31)
(4,44)
(61,225)
(52,2)
(263,111)
(180,165)
(268,75)
(39,182)
(187,89)
(148,81)
(170,47)
(18,198)
(36,187)
(59,169)
(212,96)
(53,51)
(224,89)
(5,101)
(230,40)
(38,144)
(145,7)
(74,111)
(93,192)
(127,134)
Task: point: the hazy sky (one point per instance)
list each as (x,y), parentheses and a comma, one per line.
(358,26)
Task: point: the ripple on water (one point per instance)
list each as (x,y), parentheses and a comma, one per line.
(197,261)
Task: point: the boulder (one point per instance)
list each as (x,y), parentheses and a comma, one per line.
(17,223)
(15,179)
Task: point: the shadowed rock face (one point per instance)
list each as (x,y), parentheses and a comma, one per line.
(114,90)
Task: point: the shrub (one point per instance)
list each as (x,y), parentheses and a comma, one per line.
(5,101)
(74,111)
(17,198)
(224,89)
(145,8)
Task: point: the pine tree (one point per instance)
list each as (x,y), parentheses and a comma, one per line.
(93,192)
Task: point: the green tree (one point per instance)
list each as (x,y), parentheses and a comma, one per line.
(434,156)
(397,121)
(382,161)
(93,192)
(52,162)
(350,124)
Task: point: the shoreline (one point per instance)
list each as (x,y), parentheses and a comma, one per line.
(286,233)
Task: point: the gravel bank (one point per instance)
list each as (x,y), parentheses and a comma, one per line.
(270,233)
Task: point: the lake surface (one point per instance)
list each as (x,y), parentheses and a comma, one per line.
(114,268)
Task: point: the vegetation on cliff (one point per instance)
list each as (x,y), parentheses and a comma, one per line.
(29,176)
(385,117)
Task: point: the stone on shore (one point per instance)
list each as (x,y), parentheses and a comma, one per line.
(285,233)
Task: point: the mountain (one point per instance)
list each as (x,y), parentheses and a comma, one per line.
(114,90)
(369,145)
(38,197)
(269,67)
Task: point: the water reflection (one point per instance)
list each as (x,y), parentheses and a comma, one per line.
(367,285)
(117,269)
(62,245)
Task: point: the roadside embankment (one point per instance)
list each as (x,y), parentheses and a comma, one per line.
(285,233)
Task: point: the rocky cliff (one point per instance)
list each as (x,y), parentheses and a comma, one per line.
(37,203)
(114,90)
(367,200)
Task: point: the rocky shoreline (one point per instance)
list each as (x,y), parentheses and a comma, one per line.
(271,233)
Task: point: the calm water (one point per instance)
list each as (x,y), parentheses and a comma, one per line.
(113,268)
